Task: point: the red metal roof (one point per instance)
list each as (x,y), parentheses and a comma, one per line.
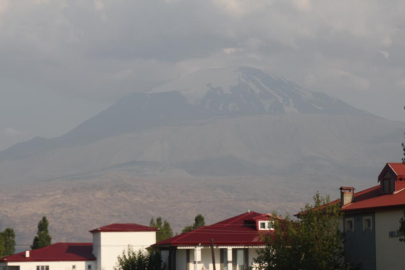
(124,227)
(398,168)
(238,230)
(56,252)
(374,198)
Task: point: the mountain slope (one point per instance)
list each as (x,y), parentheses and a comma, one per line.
(228,92)
(216,142)
(251,145)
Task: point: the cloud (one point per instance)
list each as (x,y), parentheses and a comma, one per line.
(303,5)
(98,4)
(385,54)
(4,5)
(11,132)
(103,49)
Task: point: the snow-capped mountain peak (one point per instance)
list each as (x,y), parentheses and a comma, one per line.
(250,90)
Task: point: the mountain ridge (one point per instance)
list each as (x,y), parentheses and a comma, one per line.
(252,93)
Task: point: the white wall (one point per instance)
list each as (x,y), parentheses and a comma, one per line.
(96,248)
(389,251)
(112,244)
(206,258)
(52,265)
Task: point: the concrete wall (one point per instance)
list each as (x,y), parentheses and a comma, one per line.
(53,265)
(112,244)
(390,250)
(360,244)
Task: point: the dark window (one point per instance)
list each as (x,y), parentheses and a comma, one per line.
(388,185)
(240,259)
(349,225)
(367,223)
(224,259)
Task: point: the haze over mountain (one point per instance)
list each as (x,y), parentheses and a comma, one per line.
(231,127)
(227,121)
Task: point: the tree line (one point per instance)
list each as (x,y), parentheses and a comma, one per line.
(7,239)
(151,259)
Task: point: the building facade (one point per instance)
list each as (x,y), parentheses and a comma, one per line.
(371,221)
(109,242)
(235,242)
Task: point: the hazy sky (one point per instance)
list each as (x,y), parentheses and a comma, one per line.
(62,61)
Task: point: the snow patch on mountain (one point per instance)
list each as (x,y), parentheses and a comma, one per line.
(250,91)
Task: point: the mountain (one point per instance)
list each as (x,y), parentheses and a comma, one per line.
(207,94)
(216,142)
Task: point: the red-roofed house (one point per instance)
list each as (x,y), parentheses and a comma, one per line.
(108,243)
(56,256)
(371,221)
(235,242)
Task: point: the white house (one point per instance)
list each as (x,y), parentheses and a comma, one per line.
(108,243)
(235,242)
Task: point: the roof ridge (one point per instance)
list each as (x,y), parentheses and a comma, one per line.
(181,236)
(240,216)
(389,164)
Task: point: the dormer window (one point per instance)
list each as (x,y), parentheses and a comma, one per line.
(388,184)
(266,225)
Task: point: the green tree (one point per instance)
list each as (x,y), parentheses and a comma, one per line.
(313,242)
(42,239)
(2,249)
(199,221)
(130,260)
(164,229)
(8,244)
(152,223)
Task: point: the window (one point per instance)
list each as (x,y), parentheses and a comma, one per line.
(89,267)
(43,267)
(349,225)
(73,267)
(388,184)
(270,225)
(367,223)
(266,225)
(240,259)
(224,259)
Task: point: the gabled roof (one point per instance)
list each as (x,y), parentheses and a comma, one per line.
(371,198)
(374,198)
(124,227)
(397,168)
(56,252)
(238,230)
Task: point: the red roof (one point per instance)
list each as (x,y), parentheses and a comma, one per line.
(124,227)
(374,198)
(397,168)
(239,230)
(56,252)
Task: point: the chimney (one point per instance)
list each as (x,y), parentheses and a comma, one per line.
(27,254)
(346,195)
